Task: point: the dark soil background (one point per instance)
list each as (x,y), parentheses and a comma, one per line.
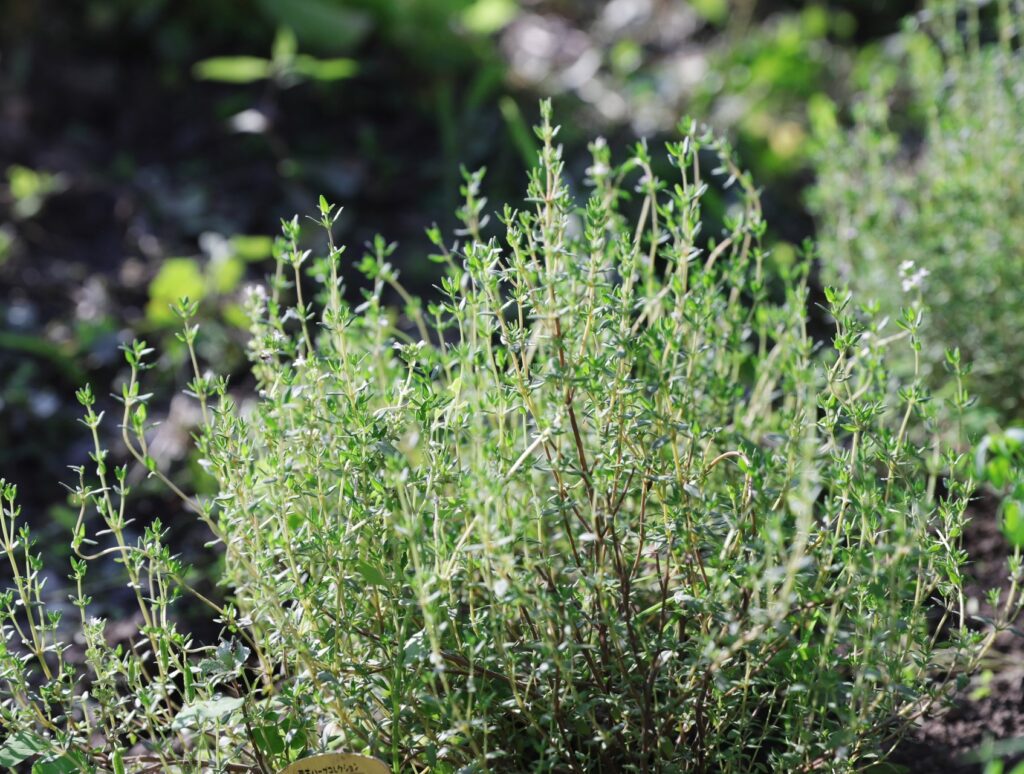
(148,163)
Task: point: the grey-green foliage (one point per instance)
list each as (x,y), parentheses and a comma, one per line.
(602,508)
(941,192)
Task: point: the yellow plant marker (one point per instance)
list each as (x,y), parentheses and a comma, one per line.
(341,763)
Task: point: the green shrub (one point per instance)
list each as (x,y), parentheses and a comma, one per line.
(601,508)
(933,193)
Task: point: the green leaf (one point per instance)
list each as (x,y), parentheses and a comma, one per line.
(715,11)
(20,747)
(271,738)
(251,248)
(998,472)
(1013,521)
(371,574)
(232,69)
(485,17)
(71,763)
(177,277)
(206,711)
(1009,443)
(268,739)
(226,274)
(285,46)
(325,69)
(626,57)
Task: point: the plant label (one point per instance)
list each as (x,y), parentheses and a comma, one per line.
(343,763)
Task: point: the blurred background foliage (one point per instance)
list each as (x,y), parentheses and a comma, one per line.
(920,181)
(149,148)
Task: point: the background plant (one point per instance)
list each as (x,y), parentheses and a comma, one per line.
(601,507)
(1000,464)
(925,187)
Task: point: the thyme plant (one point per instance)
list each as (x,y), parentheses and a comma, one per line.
(925,187)
(602,507)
